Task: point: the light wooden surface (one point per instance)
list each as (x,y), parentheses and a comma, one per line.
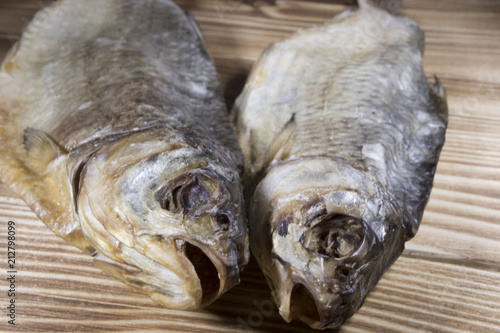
(448,278)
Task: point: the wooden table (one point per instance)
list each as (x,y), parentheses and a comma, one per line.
(448,278)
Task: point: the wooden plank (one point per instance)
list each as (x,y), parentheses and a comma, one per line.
(59,287)
(447,278)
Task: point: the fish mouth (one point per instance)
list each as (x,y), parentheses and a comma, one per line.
(212,275)
(207,273)
(306,306)
(303,304)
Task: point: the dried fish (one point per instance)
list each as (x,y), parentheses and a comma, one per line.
(114,131)
(341,134)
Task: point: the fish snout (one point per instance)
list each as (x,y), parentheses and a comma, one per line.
(210,207)
(212,241)
(318,231)
(326,272)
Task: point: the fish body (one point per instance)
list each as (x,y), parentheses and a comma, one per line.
(115,132)
(341,134)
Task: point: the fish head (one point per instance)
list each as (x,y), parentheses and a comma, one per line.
(323,233)
(164,209)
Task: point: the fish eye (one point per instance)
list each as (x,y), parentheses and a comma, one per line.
(187,193)
(195,193)
(337,236)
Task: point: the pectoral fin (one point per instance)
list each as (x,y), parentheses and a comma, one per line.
(41,149)
(282,143)
(9,62)
(40,176)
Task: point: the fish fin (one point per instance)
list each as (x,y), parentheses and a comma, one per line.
(437,88)
(196,28)
(392,6)
(9,62)
(39,174)
(282,143)
(41,149)
(439,93)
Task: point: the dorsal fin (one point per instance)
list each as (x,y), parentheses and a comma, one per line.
(41,149)
(440,94)
(196,28)
(392,6)
(438,88)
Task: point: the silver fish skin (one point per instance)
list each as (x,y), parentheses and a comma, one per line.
(115,132)
(341,134)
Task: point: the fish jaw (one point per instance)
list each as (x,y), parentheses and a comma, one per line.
(164,209)
(323,232)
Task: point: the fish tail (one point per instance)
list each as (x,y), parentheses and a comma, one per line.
(392,6)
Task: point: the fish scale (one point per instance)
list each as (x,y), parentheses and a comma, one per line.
(142,45)
(316,125)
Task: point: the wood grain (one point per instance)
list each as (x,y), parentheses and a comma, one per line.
(448,278)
